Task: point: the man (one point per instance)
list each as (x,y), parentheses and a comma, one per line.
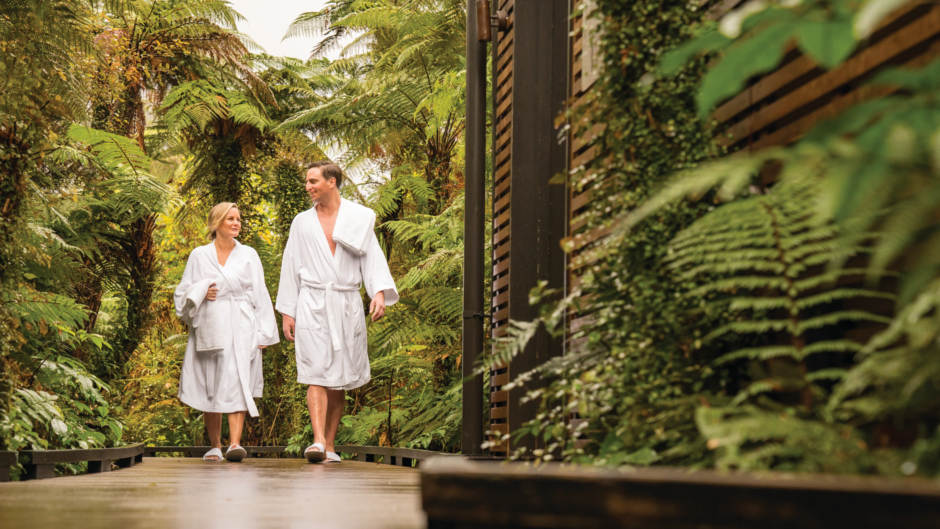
(330,251)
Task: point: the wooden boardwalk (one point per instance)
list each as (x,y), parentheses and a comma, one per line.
(170,493)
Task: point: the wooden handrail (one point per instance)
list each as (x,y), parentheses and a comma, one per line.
(40,464)
(407,457)
(471,494)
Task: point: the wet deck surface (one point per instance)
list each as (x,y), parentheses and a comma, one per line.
(189,493)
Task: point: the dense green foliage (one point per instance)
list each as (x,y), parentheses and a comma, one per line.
(752,325)
(122,123)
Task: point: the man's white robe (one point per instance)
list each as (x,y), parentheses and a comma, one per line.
(320,290)
(222,367)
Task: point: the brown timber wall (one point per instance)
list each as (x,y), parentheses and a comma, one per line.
(776,108)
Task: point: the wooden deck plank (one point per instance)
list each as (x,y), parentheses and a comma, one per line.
(169,492)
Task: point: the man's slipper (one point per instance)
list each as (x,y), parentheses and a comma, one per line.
(315,453)
(236,453)
(333,457)
(214,453)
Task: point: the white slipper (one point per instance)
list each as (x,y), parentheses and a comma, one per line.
(314,453)
(333,457)
(215,452)
(236,453)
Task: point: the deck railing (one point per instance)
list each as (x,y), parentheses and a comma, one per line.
(41,464)
(407,457)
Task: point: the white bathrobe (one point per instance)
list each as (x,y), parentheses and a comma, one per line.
(222,367)
(320,291)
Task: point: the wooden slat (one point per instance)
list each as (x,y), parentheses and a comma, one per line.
(501,298)
(500,380)
(795,130)
(582,140)
(499,412)
(503,91)
(501,267)
(500,251)
(502,186)
(584,157)
(503,75)
(502,201)
(498,284)
(854,68)
(501,315)
(505,41)
(501,219)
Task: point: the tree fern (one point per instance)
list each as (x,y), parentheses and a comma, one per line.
(764,261)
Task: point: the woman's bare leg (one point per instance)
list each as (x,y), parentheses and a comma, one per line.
(213,428)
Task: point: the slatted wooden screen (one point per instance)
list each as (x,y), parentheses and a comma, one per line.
(502,152)
(781,106)
(775,109)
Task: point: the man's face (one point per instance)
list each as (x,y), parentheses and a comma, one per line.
(316,185)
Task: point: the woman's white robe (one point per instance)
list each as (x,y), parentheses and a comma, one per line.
(320,291)
(222,367)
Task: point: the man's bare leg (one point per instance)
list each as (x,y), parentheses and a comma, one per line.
(317,404)
(336,402)
(236,424)
(214,430)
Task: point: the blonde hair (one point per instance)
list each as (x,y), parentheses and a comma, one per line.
(216,215)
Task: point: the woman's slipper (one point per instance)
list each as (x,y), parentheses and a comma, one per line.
(315,453)
(333,457)
(236,453)
(214,455)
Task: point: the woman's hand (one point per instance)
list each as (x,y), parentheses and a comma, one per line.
(377,306)
(210,294)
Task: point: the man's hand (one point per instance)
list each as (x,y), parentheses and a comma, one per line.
(377,306)
(210,294)
(288,325)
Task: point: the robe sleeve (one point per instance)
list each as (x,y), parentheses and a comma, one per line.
(264,311)
(375,273)
(190,292)
(289,285)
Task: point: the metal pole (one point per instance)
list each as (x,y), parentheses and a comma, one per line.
(472,436)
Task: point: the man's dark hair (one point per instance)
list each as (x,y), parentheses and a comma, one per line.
(328,170)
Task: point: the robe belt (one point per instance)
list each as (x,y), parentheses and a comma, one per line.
(333,305)
(243,363)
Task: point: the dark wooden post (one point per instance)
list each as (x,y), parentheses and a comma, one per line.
(472,436)
(539,211)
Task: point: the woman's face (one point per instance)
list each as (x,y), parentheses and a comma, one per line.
(231,225)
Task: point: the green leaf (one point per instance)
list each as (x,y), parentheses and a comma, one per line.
(742,60)
(674,60)
(829,42)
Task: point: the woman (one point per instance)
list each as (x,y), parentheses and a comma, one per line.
(223,299)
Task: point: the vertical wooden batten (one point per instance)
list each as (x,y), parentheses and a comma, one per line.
(530,214)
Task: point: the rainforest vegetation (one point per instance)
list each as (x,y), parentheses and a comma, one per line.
(774,309)
(123,122)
